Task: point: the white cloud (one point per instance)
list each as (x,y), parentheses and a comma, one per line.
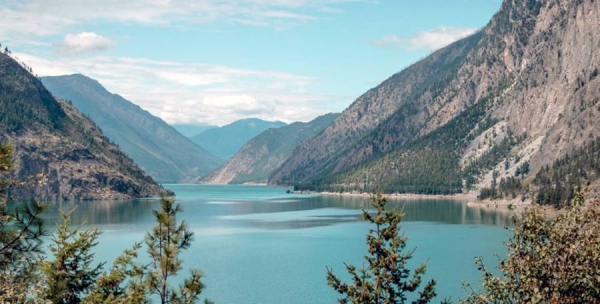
(428,40)
(76,44)
(198,93)
(47,17)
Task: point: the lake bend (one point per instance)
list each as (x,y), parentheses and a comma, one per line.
(259,244)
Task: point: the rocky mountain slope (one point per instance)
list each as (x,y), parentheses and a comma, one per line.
(522,91)
(52,139)
(158,148)
(225,141)
(257,159)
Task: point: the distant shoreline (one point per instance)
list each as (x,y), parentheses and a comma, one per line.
(470,198)
(459,196)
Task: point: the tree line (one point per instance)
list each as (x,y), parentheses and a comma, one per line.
(71,276)
(542,264)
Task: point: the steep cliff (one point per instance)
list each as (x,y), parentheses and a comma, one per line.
(52,139)
(522,90)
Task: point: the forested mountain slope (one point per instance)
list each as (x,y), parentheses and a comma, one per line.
(522,91)
(52,139)
(225,141)
(257,159)
(157,147)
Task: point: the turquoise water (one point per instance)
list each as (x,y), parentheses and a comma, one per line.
(261,245)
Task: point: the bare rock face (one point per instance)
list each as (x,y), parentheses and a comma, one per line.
(65,152)
(531,74)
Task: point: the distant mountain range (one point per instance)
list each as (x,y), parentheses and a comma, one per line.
(225,141)
(52,139)
(189,130)
(260,156)
(502,109)
(157,147)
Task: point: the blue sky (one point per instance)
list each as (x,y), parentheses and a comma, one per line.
(216,61)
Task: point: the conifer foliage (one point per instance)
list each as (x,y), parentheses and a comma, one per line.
(20,232)
(386,279)
(71,274)
(548,261)
(165,242)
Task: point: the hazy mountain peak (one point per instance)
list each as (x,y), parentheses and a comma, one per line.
(225,141)
(261,155)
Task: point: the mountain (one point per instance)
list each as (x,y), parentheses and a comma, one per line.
(53,139)
(520,93)
(257,159)
(157,147)
(189,130)
(225,141)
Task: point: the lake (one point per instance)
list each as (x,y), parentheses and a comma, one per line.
(262,245)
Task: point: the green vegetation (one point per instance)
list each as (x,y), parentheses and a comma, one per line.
(54,138)
(261,155)
(165,242)
(20,232)
(358,157)
(494,155)
(225,141)
(26,104)
(508,187)
(548,261)
(145,138)
(557,184)
(386,279)
(70,275)
(429,165)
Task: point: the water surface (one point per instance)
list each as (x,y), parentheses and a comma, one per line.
(262,245)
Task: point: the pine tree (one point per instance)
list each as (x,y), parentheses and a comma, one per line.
(165,243)
(123,283)
(20,231)
(386,279)
(70,276)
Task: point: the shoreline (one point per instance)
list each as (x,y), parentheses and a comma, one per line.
(459,196)
(470,198)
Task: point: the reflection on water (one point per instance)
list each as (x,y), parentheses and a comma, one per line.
(274,209)
(104,212)
(272,247)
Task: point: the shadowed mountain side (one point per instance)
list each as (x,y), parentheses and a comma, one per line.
(157,147)
(53,140)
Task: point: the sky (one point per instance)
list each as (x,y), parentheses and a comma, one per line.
(217,61)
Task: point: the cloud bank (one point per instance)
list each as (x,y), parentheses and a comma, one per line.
(187,93)
(428,40)
(47,17)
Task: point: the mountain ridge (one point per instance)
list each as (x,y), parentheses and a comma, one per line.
(225,141)
(146,138)
(52,140)
(256,160)
(529,71)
